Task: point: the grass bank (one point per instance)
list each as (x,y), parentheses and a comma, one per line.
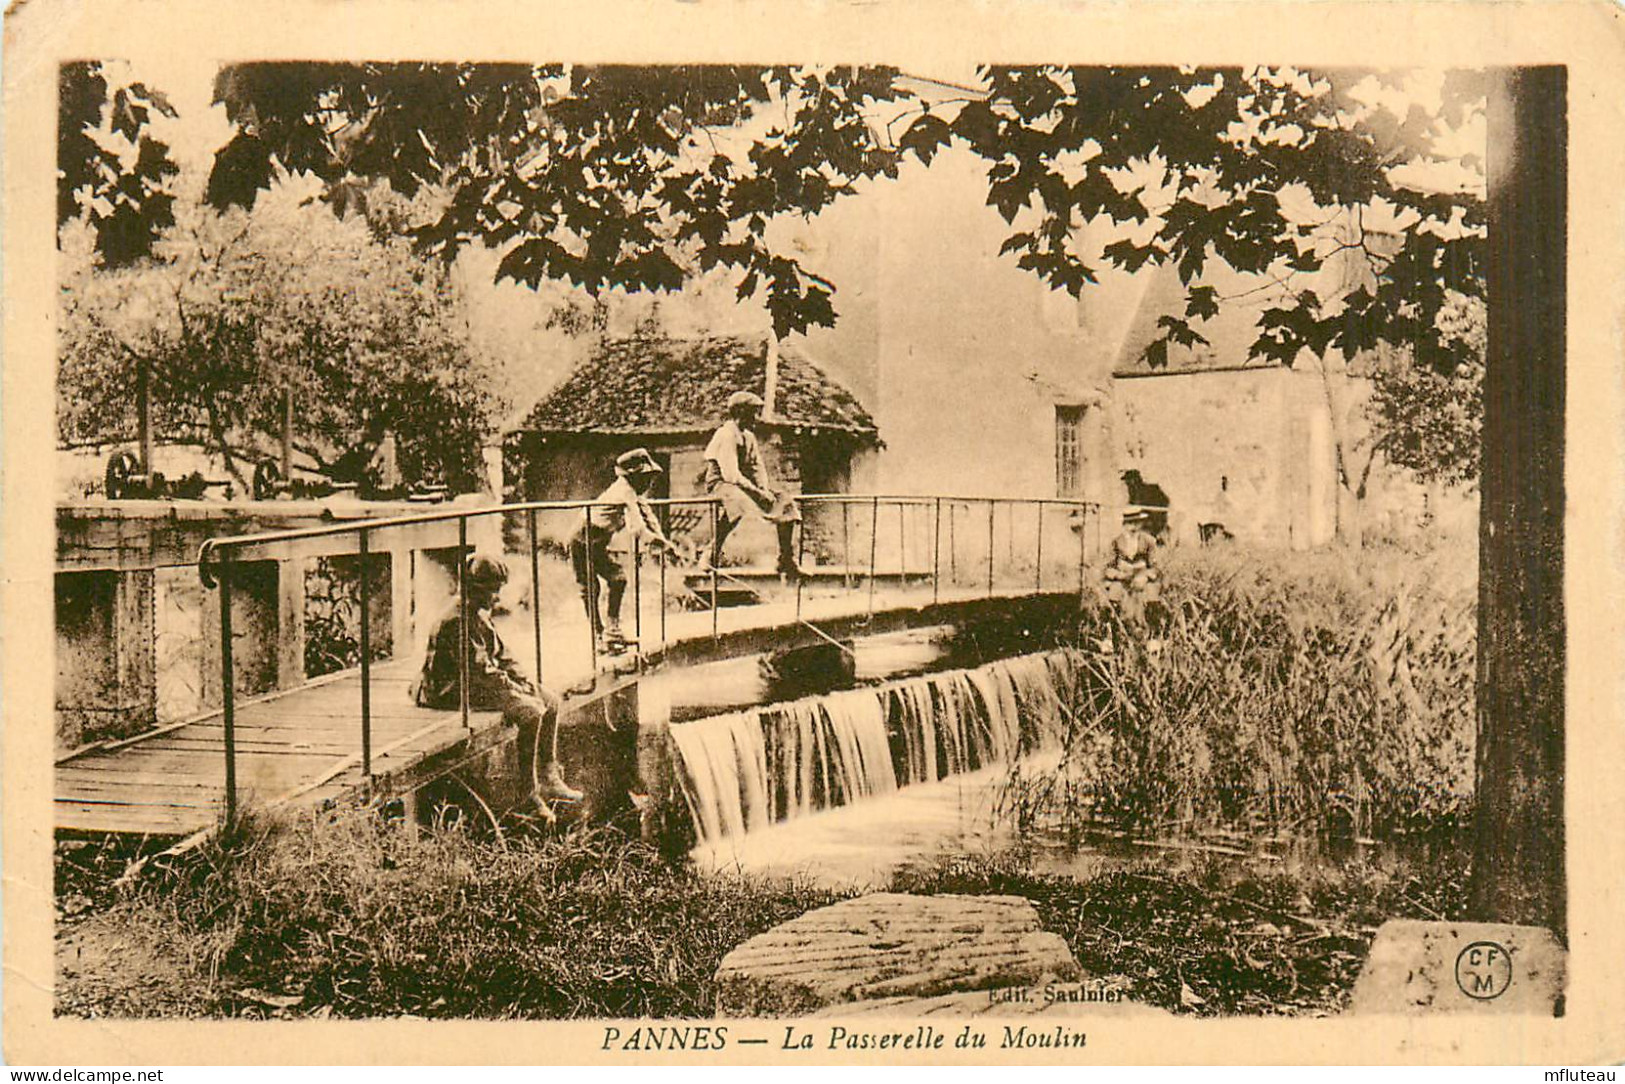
(1218,938)
(348,916)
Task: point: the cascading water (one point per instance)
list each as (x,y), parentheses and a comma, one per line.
(745,770)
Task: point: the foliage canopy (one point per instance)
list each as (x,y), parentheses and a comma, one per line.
(109,167)
(234,309)
(610,176)
(647,178)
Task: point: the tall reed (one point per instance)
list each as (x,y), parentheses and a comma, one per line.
(1328,692)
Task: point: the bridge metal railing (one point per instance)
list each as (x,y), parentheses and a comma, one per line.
(946,519)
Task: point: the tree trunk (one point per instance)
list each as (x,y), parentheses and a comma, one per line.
(1348,493)
(1350,515)
(143,415)
(1432,502)
(217,430)
(1518,855)
(287,433)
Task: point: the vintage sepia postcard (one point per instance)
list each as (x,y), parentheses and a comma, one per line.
(1002,533)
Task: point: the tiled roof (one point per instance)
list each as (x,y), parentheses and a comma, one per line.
(654,384)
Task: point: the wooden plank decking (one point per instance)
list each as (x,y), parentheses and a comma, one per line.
(303,746)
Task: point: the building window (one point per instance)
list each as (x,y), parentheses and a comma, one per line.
(1068,451)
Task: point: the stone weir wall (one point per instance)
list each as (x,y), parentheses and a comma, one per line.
(744,771)
(729,773)
(995,694)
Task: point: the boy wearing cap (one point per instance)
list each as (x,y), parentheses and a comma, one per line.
(618,518)
(736,474)
(495,682)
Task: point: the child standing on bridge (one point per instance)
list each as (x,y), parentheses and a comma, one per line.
(496,683)
(620,517)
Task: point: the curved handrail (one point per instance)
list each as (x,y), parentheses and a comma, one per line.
(207,551)
(297,534)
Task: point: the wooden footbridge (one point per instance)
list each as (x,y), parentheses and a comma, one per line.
(357,735)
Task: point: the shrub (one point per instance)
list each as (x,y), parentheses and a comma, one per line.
(333,614)
(1314,693)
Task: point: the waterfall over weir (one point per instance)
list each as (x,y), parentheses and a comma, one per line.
(745,770)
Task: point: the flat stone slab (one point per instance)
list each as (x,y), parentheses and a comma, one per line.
(892,946)
(1461,967)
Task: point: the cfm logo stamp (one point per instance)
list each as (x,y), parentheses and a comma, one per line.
(1484,970)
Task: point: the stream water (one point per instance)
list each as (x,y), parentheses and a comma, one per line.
(908,768)
(850,783)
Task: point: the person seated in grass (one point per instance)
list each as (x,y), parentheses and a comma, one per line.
(736,474)
(621,517)
(496,683)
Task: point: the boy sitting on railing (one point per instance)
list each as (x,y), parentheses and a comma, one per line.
(496,683)
(736,474)
(620,517)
